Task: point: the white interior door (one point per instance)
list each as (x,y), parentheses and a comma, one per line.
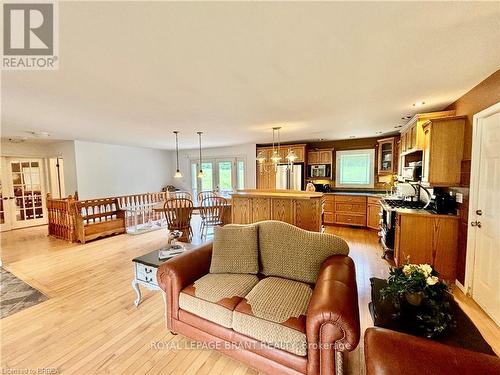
(484,213)
(23,193)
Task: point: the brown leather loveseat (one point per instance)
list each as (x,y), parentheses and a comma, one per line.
(296,314)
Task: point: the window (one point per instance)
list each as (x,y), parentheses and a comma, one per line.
(224,175)
(241,175)
(355,168)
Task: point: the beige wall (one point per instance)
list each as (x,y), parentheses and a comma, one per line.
(105,170)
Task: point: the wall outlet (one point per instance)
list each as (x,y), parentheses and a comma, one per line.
(459,197)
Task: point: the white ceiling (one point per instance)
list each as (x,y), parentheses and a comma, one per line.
(131,73)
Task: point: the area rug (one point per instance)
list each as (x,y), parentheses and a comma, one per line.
(16,295)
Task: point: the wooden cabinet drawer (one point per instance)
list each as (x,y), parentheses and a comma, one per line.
(350,198)
(374,200)
(329,206)
(350,208)
(328,218)
(358,220)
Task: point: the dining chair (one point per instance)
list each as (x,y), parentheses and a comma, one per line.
(212,209)
(206,194)
(178,213)
(181,194)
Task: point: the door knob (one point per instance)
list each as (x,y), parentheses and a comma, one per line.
(479,212)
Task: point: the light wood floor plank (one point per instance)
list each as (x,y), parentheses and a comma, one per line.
(89,325)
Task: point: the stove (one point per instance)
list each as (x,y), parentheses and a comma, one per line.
(400,203)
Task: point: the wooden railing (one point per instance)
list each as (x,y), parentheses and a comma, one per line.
(61,217)
(139,208)
(74,220)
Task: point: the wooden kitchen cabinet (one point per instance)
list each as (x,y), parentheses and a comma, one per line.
(313,157)
(437,242)
(386,156)
(443,142)
(329,209)
(298,208)
(412,134)
(350,210)
(323,156)
(373,213)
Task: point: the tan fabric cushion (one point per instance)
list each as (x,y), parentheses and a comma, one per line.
(274,312)
(214,296)
(293,253)
(214,287)
(235,249)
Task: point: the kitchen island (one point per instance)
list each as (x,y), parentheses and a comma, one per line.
(299,208)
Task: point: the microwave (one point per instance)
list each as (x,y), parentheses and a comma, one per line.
(412,173)
(320,171)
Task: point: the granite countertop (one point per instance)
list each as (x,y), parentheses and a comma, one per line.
(369,193)
(291,194)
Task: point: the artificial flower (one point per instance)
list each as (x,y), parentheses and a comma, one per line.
(432,280)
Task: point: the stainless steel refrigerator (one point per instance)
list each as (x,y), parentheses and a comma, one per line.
(290,177)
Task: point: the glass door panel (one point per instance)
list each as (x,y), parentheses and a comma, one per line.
(207,181)
(27,200)
(225,177)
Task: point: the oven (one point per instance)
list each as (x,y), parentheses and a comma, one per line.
(387,228)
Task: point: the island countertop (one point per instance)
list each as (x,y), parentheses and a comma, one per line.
(287,194)
(299,208)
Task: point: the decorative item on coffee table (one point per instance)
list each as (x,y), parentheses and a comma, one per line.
(421,298)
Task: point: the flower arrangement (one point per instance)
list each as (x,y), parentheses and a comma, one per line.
(418,292)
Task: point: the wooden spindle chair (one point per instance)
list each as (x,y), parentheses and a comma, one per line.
(212,211)
(181,194)
(178,212)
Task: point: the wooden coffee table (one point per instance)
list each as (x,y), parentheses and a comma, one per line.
(145,268)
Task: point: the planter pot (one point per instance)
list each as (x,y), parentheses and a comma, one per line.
(414,299)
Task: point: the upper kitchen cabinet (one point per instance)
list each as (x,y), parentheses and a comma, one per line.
(322,156)
(386,156)
(443,144)
(412,135)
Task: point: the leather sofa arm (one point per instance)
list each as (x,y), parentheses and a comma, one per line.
(180,271)
(332,323)
(391,352)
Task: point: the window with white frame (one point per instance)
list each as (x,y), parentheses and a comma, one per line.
(355,168)
(224,175)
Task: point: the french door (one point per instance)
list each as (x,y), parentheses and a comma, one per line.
(22,193)
(223,175)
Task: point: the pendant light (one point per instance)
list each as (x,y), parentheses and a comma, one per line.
(200,173)
(178,173)
(275,156)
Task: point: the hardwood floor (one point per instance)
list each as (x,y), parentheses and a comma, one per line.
(89,325)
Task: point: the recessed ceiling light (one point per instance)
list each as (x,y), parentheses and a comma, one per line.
(407,117)
(40,134)
(419,104)
(379,132)
(352,136)
(17,139)
(398,126)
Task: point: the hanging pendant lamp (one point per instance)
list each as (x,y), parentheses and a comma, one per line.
(178,173)
(200,173)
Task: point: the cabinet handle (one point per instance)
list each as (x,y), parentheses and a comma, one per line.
(148,270)
(479,212)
